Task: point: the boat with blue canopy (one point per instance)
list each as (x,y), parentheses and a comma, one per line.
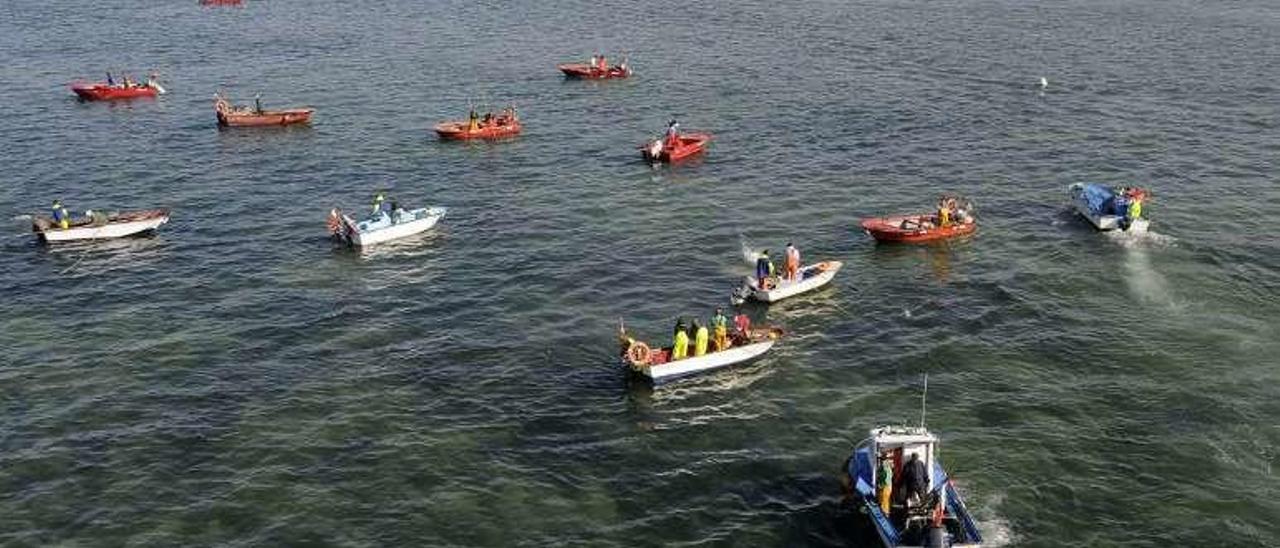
(1110,208)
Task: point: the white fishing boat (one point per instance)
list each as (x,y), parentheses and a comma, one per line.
(98,225)
(810,278)
(1107,208)
(658,367)
(383,226)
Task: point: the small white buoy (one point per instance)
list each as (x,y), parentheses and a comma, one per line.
(1044,82)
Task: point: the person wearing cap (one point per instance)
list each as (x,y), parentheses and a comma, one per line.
(60,215)
(721,326)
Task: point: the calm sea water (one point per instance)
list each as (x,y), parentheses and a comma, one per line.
(236,380)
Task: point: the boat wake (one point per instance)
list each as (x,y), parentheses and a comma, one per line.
(1144,281)
(749,255)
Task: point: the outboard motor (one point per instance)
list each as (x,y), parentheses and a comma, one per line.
(741,294)
(936,537)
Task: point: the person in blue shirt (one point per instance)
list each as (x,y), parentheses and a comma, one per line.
(764,269)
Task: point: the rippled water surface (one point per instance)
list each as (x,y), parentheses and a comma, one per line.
(238,380)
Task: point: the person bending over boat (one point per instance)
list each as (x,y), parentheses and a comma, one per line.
(764,270)
(793,263)
(700,337)
(915,479)
(60,215)
(721,326)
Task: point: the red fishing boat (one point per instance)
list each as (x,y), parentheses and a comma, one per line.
(105,91)
(505,124)
(686,145)
(915,228)
(585,71)
(230,115)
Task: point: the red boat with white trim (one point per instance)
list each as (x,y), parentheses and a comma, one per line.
(106,91)
(686,145)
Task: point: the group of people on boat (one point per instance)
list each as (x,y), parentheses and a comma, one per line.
(382,207)
(951,211)
(704,338)
(504,118)
(767,275)
(128,82)
(1129,204)
(600,63)
(913,481)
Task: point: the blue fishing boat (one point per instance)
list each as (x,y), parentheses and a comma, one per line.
(908,509)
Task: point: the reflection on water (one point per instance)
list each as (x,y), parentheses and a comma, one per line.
(89,257)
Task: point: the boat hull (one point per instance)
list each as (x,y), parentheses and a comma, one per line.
(457,131)
(588,72)
(910,229)
(104,92)
(690,144)
(266,118)
(118,226)
(826,271)
(669,371)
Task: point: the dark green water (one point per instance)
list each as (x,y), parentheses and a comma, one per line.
(238,381)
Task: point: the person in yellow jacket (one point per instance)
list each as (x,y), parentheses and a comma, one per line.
(680,350)
(721,326)
(1135,209)
(700,337)
(884,483)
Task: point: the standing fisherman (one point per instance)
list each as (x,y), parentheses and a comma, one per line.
(699,339)
(764,269)
(721,326)
(793,262)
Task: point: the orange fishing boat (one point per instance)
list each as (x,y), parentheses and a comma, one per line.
(234,116)
(505,124)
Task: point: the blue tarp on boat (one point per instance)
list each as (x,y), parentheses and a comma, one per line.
(1100,198)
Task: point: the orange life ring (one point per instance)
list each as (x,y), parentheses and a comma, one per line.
(639,353)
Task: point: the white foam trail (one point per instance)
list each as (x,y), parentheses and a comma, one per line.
(1144,281)
(748,255)
(21,218)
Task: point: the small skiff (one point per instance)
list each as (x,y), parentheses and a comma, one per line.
(233,116)
(585,71)
(1106,208)
(938,518)
(915,228)
(100,226)
(657,366)
(688,144)
(101,91)
(458,130)
(384,226)
(811,277)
